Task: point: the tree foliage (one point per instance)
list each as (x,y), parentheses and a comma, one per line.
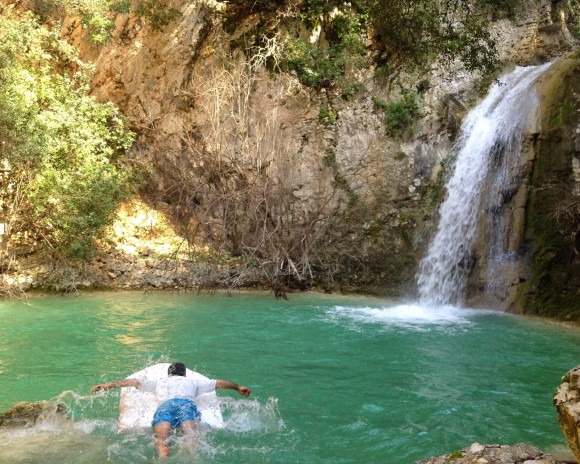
(98,16)
(413,31)
(61,151)
(410,32)
(319,64)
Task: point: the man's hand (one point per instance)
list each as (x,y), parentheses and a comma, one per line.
(118,383)
(244,391)
(99,387)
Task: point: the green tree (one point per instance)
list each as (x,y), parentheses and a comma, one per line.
(61,151)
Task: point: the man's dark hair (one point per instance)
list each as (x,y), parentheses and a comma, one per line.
(176,369)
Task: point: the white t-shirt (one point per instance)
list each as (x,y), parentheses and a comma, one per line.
(176,386)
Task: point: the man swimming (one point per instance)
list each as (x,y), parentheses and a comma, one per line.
(176,394)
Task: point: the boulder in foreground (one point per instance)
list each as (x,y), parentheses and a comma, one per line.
(567,402)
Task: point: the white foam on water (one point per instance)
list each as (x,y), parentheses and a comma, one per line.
(408,315)
(251,415)
(42,444)
(89,426)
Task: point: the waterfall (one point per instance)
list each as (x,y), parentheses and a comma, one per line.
(486,155)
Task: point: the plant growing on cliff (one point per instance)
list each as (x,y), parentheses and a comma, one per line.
(335,49)
(94,15)
(326,116)
(499,8)
(408,33)
(157,13)
(95,19)
(98,16)
(573,17)
(399,114)
(416,31)
(61,151)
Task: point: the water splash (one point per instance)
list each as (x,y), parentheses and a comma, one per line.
(251,415)
(409,316)
(80,435)
(54,433)
(489,143)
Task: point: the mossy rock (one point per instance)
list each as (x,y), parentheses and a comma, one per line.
(552,218)
(25,414)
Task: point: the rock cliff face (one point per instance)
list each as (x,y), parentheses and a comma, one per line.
(567,402)
(551,279)
(540,273)
(199,101)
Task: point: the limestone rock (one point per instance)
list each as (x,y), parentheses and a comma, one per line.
(167,84)
(25,414)
(521,453)
(567,402)
(552,278)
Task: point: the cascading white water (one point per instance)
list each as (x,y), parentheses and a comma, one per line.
(489,143)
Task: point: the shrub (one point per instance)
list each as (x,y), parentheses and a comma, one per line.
(157,12)
(314,66)
(414,32)
(320,64)
(398,114)
(122,6)
(63,149)
(98,26)
(401,113)
(329,157)
(45,9)
(499,8)
(326,116)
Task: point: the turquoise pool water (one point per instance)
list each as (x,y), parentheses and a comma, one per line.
(334,380)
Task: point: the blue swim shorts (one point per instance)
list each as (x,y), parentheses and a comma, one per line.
(176,411)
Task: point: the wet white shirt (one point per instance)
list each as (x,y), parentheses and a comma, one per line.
(176,386)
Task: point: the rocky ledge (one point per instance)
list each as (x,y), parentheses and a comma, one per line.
(146,253)
(488,454)
(25,414)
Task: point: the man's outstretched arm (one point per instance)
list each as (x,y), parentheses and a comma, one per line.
(117,383)
(244,391)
